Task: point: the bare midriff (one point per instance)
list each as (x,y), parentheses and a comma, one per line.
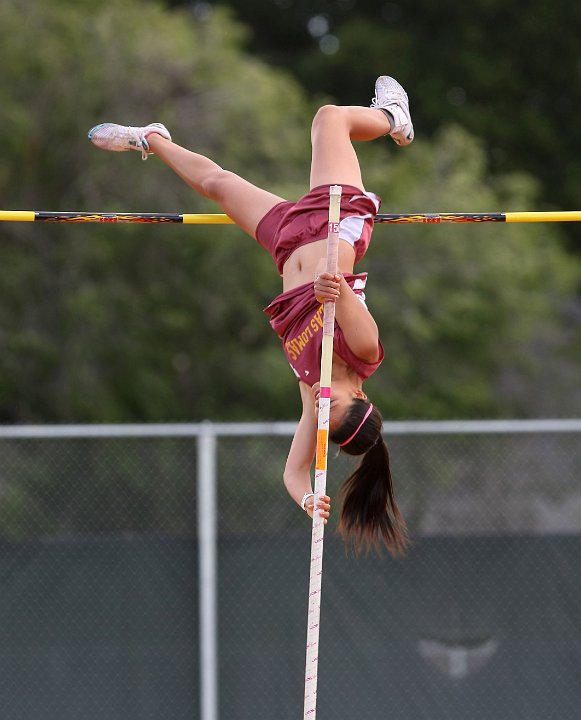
(305,262)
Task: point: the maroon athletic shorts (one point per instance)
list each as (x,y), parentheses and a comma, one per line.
(289,225)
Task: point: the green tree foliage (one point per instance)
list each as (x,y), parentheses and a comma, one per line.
(461,306)
(508,72)
(122,323)
(159,323)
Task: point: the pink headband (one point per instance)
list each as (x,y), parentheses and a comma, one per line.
(369,409)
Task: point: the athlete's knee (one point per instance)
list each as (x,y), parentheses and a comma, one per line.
(325,115)
(215,184)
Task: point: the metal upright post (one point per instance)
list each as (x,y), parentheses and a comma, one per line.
(207,573)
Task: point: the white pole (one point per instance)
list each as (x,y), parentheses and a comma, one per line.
(207,573)
(318,531)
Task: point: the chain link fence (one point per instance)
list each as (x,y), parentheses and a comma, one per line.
(161,573)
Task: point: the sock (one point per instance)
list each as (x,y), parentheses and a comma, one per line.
(389,116)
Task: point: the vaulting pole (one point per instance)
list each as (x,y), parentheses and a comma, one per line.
(318,527)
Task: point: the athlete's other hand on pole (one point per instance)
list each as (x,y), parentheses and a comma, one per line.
(324,506)
(327,287)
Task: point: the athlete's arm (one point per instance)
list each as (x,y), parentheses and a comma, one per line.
(358,326)
(297,472)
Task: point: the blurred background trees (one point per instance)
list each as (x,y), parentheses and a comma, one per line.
(155,323)
(509,74)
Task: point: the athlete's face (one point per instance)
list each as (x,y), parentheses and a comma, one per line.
(342,395)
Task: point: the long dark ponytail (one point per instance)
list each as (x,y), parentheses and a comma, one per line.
(370,514)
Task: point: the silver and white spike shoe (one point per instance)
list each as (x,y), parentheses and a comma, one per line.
(118,138)
(390,96)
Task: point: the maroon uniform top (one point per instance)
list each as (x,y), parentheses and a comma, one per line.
(297,317)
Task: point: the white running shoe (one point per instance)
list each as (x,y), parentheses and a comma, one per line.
(118,138)
(390,96)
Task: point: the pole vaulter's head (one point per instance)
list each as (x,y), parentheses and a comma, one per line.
(360,428)
(370,515)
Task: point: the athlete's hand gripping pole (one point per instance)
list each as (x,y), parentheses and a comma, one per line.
(316,573)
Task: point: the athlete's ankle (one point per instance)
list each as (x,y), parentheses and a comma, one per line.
(153,136)
(390,119)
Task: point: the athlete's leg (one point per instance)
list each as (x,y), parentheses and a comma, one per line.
(334,159)
(244,202)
